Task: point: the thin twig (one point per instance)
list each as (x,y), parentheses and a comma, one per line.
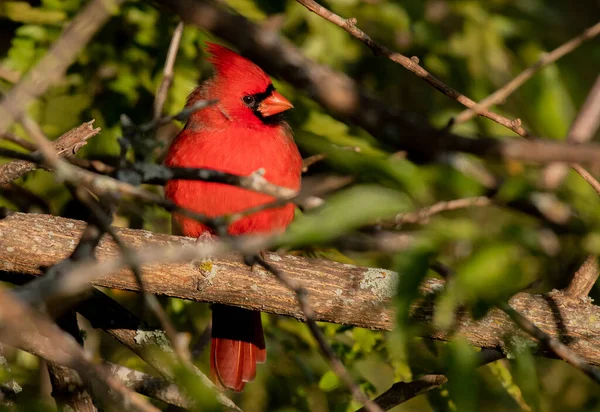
(411,64)
(66,145)
(311,160)
(51,68)
(583,129)
(501,94)
(401,392)
(334,362)
(422,215)
(587,176)
(553,344)
(167,80)
(13,138)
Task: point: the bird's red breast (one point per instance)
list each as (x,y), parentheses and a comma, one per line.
(240,134)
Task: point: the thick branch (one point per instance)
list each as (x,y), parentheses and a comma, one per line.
(22,327)
(67,389)
(146,341)
(339,293)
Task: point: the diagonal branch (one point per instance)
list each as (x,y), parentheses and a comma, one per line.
(584,279)
(334,361)
(501,94)
(22,327)
(411,64)
(165,84)
(344,99)
(583,129)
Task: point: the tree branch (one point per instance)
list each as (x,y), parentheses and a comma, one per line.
(67,389)
(560,349)
(584,279)
(583,129)
(22,327)
(165,84)
(411,64)
(343,98)
(344,294)
(152,386)
(501,94)
(66,145)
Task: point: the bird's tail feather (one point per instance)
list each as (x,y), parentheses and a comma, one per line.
(237,345)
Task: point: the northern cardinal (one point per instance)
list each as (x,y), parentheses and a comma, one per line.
(240,134)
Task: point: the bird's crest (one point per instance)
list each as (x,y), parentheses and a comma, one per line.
(233,67)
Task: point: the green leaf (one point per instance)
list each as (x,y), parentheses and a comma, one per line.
(344,211)
(22,12)
(462,379)
(329,381)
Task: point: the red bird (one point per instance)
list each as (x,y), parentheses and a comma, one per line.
(240,134)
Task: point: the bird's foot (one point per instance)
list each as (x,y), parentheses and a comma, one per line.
(254,260)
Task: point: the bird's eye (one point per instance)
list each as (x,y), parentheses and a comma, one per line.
(248,100)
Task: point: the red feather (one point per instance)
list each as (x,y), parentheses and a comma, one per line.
(232,137)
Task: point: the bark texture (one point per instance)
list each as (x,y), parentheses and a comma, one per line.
(339,293)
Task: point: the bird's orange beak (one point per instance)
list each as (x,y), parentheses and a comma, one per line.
(274,104)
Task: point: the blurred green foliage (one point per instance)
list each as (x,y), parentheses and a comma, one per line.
(474,46)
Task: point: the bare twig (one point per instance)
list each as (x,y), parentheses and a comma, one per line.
(587,176)
(422,215)
(561,350)
(311,160)
(583,129)
(34,332)
(584,279)
(401,392)
(411,64)
(165,84)
(334,361)
(53,65)
(26,144)
(66,145)
(501,94)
